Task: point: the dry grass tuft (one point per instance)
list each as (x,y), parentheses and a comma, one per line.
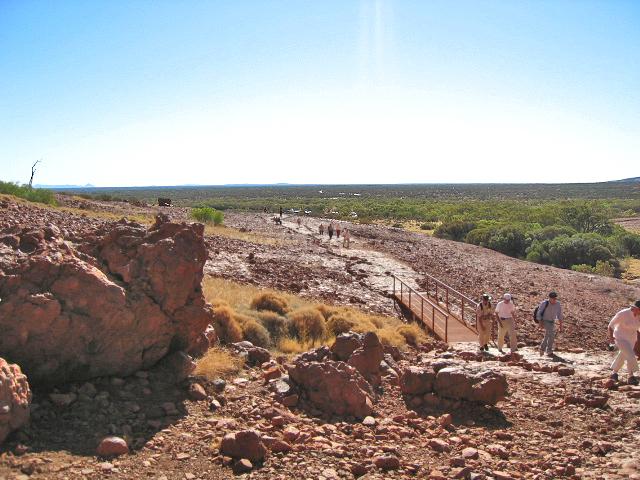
(308,324)
(338,324)
(272,302)
(256,334)
(276,325)
(412,334)
(218,363)
(226,325)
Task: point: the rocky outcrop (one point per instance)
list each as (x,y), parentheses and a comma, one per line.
(114,302)
(15,397)
(485,387)
(332,387)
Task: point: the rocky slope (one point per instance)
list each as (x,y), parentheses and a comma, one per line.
(561,417)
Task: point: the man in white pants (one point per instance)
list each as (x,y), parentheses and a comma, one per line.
(623,328)
(506,316)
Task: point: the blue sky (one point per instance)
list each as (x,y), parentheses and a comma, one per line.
(362,91)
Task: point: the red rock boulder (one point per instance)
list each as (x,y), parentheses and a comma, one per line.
(115,302)
(245,444)
(333,387)
(15,397)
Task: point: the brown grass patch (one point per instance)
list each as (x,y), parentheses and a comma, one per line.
(308,322)
(272,302)
(218,363)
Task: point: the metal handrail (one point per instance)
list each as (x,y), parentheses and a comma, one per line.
(434,307)
(447,289)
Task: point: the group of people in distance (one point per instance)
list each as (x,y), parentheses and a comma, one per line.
(623,329)
(337,229)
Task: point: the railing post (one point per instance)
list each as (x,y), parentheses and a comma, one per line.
(401,292)
(410,292)
(422,310)
(394,285)
(446,328)
(433,319)
(437,292)
(447,302)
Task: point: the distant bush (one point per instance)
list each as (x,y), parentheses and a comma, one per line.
(455,230)
(629,244)
(565,251)
(38,195)
(276,325)
(552,231)
(428,226)
(398,225)
(207,215)
(605,269)
(272,302)
(307,324)
(226,325)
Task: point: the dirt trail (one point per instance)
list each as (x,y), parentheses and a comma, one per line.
(376,265)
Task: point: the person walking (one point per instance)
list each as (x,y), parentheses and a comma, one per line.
(338,231)
(321,229)
(484,315)
(506,317)
(549,311)
(330,231)
(623,329)
(346,238)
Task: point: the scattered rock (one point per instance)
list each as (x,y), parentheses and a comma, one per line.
(112,447)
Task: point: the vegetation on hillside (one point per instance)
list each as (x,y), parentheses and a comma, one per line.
(207,215)
(578,235)
(39,195)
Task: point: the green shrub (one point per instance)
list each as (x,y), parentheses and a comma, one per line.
(582,268)
(454,230)
(276,325)
(272,302)
(207,215)
(427,226)
(39,195)
(307,324)
(629,244)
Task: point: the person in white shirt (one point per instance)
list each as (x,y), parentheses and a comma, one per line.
(506,317)
(623,328)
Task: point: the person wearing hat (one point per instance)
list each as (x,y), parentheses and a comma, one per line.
(623,329)
(549,311)
(484,315)
(506,316)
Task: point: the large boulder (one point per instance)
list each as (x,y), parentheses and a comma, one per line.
(367,358)
(15,397)
(115,301)
(417,381)
(486,387)
(333,387)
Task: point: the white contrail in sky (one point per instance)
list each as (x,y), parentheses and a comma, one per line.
(373,48)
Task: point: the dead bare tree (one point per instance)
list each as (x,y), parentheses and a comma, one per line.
(33,172)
